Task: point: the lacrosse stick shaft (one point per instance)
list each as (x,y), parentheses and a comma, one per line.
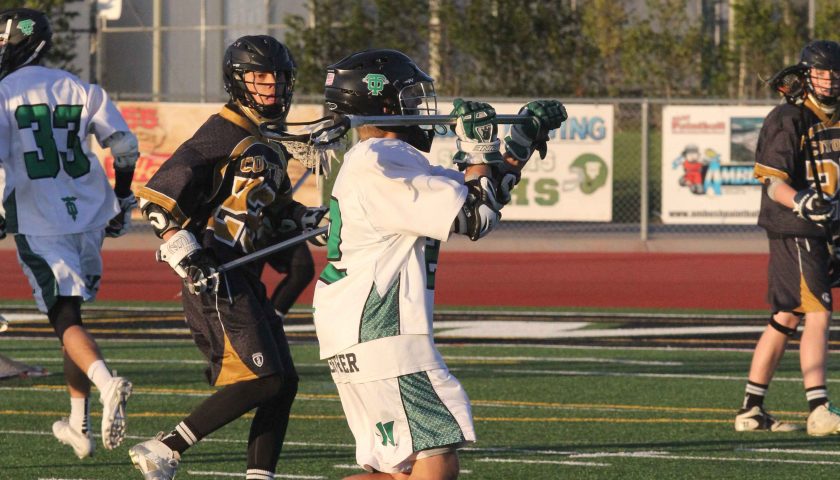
(410,120)
(272,249)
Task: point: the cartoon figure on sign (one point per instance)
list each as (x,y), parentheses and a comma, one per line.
(711,172)
(588,172)
(693,169)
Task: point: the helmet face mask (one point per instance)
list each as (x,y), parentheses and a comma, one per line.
(25,37)
(822,81)
(244,60)
(383,82)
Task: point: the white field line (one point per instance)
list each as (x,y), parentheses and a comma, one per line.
(544,462)
(459,346)
(561,359)
(206,439)
(584,373)
(666,456)
(466,358)
(199,473)
(509,329)
(794,451)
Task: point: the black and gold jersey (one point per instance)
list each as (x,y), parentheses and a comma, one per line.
(787,131)
(217,183)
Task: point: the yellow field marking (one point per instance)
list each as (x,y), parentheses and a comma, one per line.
(511,403)
(44,413)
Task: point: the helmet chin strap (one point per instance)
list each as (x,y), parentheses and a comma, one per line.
(828,109)
(254,116)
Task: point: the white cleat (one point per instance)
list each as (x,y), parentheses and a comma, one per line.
(756,419)
(113,412)
(82,443)
(154,459)
(824,420)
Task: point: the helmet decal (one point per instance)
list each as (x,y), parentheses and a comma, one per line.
(375,83)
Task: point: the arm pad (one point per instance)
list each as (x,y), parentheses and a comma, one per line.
(160,219)
(480,212)
(125,150)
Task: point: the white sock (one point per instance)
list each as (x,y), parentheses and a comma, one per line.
(99,374)
(79,414)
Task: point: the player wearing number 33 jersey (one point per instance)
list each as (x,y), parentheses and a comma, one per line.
(54,183)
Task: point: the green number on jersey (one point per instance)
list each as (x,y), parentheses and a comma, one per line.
(330,273)
(75,162)
(48,162)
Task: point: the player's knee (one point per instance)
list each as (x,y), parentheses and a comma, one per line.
(273,387)
(785,323)
(65,313)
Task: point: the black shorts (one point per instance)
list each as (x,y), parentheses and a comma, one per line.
(243,339)
(797,277)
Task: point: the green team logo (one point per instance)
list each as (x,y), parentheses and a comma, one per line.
(386,431)
(70,203)
(27,27)
(375,83)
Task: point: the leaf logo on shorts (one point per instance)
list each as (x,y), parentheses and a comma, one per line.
(386,431)
(258,359)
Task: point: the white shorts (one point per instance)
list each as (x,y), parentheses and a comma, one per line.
(395,420)
(61,265)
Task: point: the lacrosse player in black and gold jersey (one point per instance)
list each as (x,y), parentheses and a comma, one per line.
(207,203)
(798,208)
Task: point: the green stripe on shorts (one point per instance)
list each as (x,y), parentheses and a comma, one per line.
(381,315)
(40,269)
(430,422)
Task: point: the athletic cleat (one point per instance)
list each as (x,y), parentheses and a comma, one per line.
(82,443)
(824,420)
(154,459)
(756,419)
(113,412)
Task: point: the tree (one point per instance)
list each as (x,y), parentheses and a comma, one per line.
(336,28)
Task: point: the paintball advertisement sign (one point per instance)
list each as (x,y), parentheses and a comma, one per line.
(574,182)
(708,154)
(162,127)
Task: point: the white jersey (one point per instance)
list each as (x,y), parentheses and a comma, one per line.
(54,183)
(389,211)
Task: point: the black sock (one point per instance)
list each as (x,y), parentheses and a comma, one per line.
(181,438)
(754,395)
(816,396)
(268,429)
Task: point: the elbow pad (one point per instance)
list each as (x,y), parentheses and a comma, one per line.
(124,149)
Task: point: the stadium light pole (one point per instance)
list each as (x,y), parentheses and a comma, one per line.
(812,18)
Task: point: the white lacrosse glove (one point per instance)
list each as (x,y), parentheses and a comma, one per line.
(119,225)
(477,132)
(195,265)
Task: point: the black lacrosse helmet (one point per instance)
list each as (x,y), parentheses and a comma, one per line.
(383,82)
(25,37)
(823,55)
(260,53)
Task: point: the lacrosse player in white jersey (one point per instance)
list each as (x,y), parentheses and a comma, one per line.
(59,206)
(389,211)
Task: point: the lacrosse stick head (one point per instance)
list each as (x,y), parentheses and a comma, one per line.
(790,82)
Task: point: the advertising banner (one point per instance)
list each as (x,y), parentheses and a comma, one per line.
(574,182)
(708,153)
(162,127)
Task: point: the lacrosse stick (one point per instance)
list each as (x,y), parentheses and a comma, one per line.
(340,124)
(274,248)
